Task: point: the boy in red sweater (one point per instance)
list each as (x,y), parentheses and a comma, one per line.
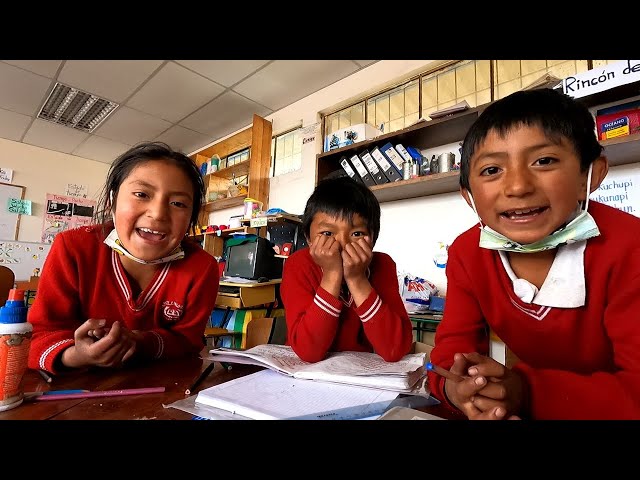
(555,276)
(132,287)
(338,294)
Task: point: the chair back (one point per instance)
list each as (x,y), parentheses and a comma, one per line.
(7,281)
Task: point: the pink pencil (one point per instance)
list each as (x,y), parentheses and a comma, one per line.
(104,393)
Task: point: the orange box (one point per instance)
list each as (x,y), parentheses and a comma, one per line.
(618,124)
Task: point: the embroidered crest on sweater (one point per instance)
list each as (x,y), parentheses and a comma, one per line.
(172,311)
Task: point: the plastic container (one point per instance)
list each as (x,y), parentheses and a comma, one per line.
(251,208)
(15,339)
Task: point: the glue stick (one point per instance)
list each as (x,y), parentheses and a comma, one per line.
(15,339)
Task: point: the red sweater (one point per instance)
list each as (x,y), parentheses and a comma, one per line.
(318,322)
(83,278)
(580,363)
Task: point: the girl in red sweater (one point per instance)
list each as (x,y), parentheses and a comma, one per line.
(132,286)
(554,275)
(338,294)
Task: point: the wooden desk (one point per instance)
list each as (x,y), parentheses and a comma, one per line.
(176,376)
(249,294)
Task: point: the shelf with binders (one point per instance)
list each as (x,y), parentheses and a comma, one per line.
(453,128)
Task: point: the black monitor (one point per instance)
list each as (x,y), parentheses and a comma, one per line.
(254,260)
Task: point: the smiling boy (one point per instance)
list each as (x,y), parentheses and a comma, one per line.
(555,276)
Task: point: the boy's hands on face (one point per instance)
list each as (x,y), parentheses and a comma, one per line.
(325,251)
(356,258)
(489,391)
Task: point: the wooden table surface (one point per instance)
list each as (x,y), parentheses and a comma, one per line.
(175,375)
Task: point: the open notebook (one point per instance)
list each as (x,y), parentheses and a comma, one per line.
(268,395)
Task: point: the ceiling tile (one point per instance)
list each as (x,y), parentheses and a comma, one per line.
(364,63)
(225,72)
(226,114)
(22,91)
(13,125)
(174,92)
(183,139)
(114,80)
(129,126)
(101,149)
(54,137)
(48,68)
(286,81)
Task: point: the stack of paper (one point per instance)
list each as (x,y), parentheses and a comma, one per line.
(458,107)
(352,368)
(267,395)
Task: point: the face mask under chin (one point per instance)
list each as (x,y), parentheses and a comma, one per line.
(115,243)
(580,226)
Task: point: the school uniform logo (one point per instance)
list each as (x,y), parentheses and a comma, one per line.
(172,311)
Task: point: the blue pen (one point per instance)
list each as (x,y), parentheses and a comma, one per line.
(29,395)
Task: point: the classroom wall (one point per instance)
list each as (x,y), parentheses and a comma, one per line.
(44,171)
(410,229)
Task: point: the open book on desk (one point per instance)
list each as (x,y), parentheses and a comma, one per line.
(267,395)
(353,368)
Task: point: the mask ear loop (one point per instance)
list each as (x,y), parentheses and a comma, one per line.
(473,205)
(586,202)
(113,214)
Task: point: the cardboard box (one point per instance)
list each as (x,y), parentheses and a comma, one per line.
(618,124)
(419,347)
(350,135)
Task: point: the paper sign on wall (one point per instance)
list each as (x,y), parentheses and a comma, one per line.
(6,175)
(310,133)
(77,190)
(621,191)
(64,212)
(19,206)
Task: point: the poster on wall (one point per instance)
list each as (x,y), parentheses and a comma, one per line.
(64,212)
(620,190)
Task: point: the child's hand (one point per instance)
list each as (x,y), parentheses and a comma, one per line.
(116,344)
(356,258)
(325,251)
(475,396)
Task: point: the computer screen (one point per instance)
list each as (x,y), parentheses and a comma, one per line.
(242,260)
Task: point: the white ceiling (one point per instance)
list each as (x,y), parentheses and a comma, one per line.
(185,103)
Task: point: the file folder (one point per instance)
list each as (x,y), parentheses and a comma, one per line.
(383,162)
(373,168)
(347,167)
(362,171)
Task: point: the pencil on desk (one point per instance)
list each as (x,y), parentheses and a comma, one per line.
(196,383)
(443,372)
(46,377)
(97,394)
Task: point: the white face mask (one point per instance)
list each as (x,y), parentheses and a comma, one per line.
(114,242)
(582,227)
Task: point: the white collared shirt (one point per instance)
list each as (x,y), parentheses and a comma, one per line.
(564,286)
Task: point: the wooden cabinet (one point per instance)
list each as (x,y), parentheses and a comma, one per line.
(257,138)
(424,135)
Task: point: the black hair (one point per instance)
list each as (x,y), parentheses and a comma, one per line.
(137,155)
(557,114)
(342,197)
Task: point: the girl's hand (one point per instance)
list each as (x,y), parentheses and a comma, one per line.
(115,345)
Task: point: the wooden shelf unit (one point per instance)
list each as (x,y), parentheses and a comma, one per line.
(453,128)
(222,203)
(257,138)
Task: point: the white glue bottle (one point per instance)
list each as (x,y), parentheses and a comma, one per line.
(15,339)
